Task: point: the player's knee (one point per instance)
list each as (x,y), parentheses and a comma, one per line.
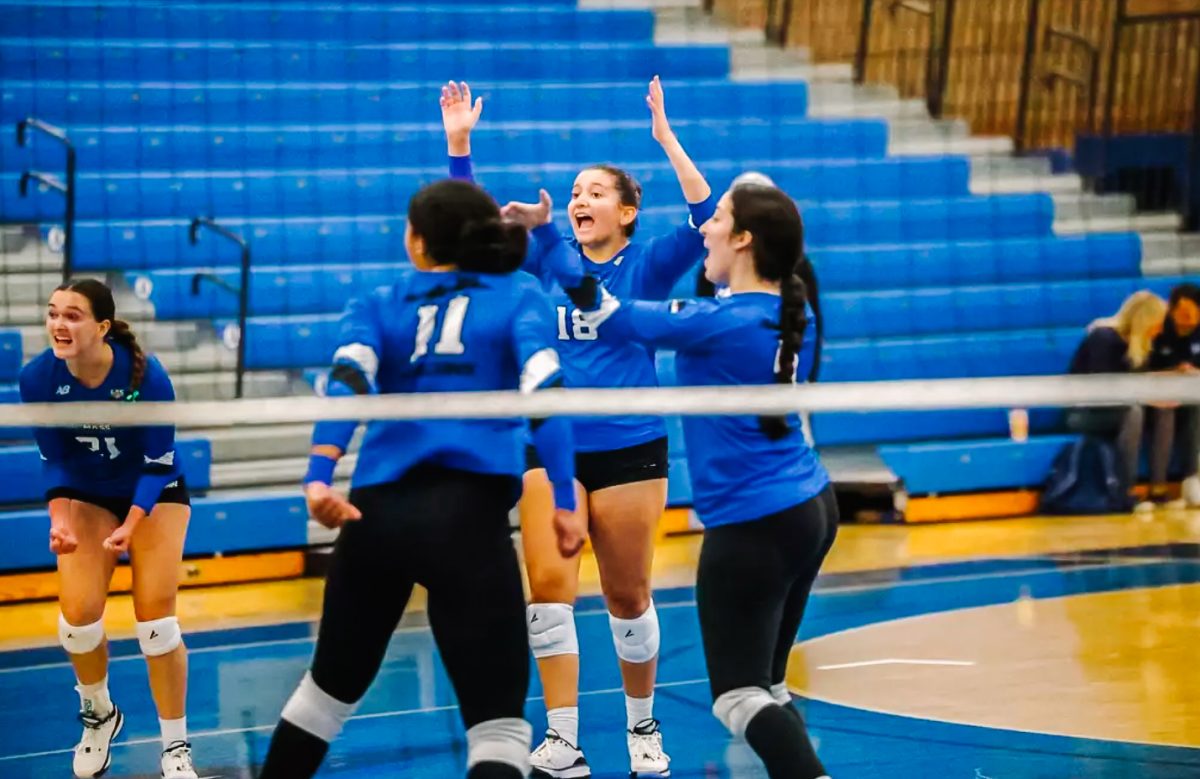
(79,639)
(552,583)
(317,712)
(736,708)
(159,637)
(551,629)
(504,741)
(636,640)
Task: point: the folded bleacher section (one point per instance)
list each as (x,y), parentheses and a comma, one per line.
(305,127)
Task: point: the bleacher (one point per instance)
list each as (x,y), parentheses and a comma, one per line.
(307,130)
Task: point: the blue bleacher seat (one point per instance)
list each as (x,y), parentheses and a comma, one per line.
(10,355)
(88,59)
(902,266)
(969,466)
(264,192)
(268,100)
(21,469)
(288,21)
(392,145)
(218,525)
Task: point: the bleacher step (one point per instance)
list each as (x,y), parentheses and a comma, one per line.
(277,471)
(220,386)
(1135,223)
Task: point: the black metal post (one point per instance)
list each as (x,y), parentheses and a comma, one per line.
(243,290)
(67,190)
(1020,139)
(938,65)
(864,42)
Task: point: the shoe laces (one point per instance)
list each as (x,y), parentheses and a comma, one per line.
(180,752)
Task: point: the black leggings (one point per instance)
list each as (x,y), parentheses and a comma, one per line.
(448,531)
(752,587)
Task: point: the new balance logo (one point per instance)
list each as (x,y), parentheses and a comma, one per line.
(63,390)
(535,619)
(153,634)
(628,634)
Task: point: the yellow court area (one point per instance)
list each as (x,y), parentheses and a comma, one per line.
(1119,666)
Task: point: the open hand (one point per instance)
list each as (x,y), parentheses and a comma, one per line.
(329,507)
(660,127)
(459,114)
(530,215)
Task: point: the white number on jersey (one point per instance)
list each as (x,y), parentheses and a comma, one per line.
(580,330)
(94,445)
(450,340)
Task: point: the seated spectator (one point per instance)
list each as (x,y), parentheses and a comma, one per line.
(1119,344)
(1177,428)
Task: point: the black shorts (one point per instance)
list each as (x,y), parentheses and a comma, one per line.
(174,492)
(614,467)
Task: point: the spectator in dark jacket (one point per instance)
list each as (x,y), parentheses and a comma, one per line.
(1177,428)
(1119,344)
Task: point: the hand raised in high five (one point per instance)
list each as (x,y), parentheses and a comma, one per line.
(660,128)
(530,215)
(459,116)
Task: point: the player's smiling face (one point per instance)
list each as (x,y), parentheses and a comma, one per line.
(597,214)
(722,242)
(71,326)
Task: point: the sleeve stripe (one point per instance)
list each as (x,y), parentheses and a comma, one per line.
(539,369)
(361,355)
(167,459)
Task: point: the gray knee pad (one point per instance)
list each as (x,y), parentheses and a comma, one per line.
(317,712)
(500,741)
(737,707)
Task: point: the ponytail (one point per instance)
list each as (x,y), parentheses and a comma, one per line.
(488,246)
(792,321)
(122,334)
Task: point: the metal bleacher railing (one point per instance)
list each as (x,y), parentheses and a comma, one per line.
(242,290)
(1057,76)
(65,187)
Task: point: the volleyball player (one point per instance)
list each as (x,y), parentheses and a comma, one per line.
(768,509)
(622,461)
(430,499)
(112,490)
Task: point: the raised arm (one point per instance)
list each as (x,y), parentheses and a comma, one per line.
(459,117)
(691,180)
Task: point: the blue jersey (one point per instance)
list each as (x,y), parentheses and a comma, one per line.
(133,463)
(451,332)
(646,270)
(738,473)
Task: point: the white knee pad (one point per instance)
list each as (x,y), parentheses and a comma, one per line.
(500,741)
(317,712)
(159,636)
(80,639)
(781,694)
(636,639)
(737,707)
(551,629)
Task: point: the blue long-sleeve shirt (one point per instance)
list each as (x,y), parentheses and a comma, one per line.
(646,270)
(112,462)
(738,473)
(452,331)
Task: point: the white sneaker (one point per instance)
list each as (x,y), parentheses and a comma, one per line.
(93,752)
(558,758)
(646,756)
(1190,489)
(177,761)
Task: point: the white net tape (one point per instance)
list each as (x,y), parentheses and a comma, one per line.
(1018,392)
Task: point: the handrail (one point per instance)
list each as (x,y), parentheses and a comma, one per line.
(243,291)
(937,57)
(776,31)
(66,189)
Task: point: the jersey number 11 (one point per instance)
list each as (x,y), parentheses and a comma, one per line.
(450,340)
